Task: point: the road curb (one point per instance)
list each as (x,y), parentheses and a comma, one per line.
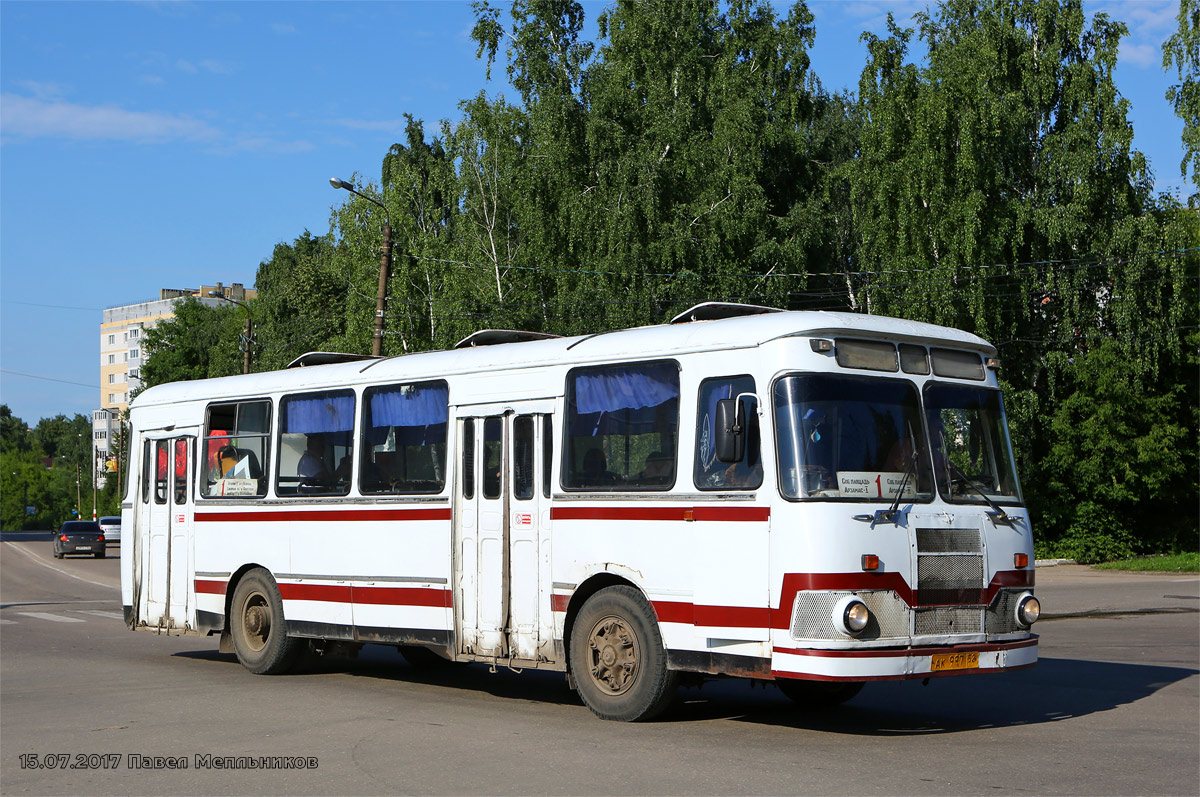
(1053,562)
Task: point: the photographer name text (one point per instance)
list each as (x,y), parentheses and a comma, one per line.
(136,761)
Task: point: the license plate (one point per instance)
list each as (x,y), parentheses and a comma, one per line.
(955,661)
(83,547)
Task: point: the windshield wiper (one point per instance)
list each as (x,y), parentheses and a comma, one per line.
(997,514)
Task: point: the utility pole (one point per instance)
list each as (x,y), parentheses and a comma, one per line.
(385,263)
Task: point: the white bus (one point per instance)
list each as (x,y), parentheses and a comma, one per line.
(817,499)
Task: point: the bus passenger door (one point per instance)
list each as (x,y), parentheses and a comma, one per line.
(530,623)
(502,537)
(154,532)
(166,512)
(180,549)
(479,535)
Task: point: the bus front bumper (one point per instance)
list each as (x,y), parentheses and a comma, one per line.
(899,664)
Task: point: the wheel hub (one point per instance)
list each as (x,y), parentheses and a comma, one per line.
(614,655)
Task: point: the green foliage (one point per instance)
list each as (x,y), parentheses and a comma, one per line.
(1182,50)
(301,304)
(47,468)
(1177,563)
(1119,474)
(198,343)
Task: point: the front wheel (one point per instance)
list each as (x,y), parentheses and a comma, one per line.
(617,657)
(258,628)
(819,694)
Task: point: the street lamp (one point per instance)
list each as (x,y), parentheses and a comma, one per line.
(385,263)
(246,349)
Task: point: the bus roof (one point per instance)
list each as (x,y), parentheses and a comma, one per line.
(663,340)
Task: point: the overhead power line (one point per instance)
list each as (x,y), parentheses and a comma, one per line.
(48,378)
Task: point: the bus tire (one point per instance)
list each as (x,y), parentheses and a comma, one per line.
(618,661)
(819,694)
(258,628)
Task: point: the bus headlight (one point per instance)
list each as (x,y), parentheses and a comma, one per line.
(1028,610)
(851,615)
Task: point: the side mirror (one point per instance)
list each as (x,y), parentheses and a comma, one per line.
(731,430)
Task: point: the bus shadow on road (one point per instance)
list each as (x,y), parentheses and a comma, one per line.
(386,664)
(1054,690)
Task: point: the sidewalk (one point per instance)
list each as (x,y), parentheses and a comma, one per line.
(1077,589)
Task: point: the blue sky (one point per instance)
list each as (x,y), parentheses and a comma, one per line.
(148,145)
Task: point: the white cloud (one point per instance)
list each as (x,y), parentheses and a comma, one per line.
(152,80)
(217,67)
(209,65)
(43,90)
(377,126)
(1150,22)
(1141,55)
(282,28)
(28,117)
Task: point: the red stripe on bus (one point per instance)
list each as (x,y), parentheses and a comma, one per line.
(373,596)
(706,513)
(402,596)
(330,593)
(317,515)
(211,587)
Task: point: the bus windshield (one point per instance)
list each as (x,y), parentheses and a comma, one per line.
(851,438)
(972,454)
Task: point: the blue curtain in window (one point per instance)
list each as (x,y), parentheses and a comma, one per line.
(419,414)
(319,414)
(635,399)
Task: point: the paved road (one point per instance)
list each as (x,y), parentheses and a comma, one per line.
(1112,708)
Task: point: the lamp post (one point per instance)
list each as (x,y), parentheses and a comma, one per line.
(385,263)
(249,327)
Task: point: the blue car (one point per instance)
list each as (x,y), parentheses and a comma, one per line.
(79,536)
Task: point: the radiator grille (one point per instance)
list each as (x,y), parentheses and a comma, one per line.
(949,567)
(812,616)
(948,621)
(1001,617)
(948,541)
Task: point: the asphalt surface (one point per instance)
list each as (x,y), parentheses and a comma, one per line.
(1113,707)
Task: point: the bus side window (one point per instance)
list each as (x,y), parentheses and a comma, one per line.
(404,438)
(523,458)
(161,470)
(710,472)
(547,452)
(180,471)
(233,451)
(316,443)
(147,476)
(468,456)
(621,427)
(493,456)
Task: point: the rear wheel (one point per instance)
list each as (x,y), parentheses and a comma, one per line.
(617,657)
(100,555)
(819,694)
(258,628)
